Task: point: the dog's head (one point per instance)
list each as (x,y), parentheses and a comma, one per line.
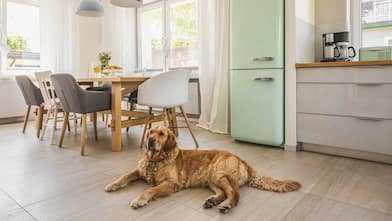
(160,139)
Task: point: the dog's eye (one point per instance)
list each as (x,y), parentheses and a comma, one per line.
(161,134)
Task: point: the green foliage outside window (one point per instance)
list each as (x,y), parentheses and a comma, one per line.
(16,43)
(183,26)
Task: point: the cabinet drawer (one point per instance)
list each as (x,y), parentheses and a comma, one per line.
(365,99)
(348,132)
(363,74)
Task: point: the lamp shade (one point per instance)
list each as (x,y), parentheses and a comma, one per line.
(90,8)
(127,3)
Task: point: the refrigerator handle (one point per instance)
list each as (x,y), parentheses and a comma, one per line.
(264,79)
(263,59)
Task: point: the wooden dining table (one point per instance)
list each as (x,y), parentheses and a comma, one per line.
(120,87)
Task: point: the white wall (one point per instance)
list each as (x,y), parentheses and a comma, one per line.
(90,43)
(305,30)
(290,76)
(330,16)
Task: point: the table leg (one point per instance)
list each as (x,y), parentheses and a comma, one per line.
(116,117)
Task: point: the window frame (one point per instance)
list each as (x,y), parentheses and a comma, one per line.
(165,5)
(34,3)
(356,23)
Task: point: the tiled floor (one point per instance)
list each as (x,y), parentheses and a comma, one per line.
(42,182)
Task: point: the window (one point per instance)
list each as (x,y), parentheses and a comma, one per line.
(168,35)
(23,34)
(376,23)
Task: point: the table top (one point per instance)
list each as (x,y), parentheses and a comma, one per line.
(113,79)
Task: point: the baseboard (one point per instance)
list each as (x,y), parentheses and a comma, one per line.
(292,148)
(357,154)
(11,120)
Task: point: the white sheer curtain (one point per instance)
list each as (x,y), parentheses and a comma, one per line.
(3,34)
(214,65)
(59,36)
(119,35)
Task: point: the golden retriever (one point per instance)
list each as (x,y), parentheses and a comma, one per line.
(170,169)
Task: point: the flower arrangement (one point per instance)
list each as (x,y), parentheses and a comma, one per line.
(107,69)
(105,57)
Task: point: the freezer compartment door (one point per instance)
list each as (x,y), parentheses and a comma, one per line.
(257,106)
(257,34)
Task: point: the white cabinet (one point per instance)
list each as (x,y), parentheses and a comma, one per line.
(364,134)
(192,107)
(346,107)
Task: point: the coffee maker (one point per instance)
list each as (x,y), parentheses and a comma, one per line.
(336,47)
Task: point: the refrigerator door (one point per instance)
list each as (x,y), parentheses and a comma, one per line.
(257,34)
(257,106)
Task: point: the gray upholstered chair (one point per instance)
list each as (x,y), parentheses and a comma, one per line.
(74,99)
(32,96)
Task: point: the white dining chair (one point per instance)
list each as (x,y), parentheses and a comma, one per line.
(51,103)
(167,90)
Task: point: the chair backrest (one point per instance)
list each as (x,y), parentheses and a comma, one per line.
(44,84)
(69,92)
(169,89)
(31,93)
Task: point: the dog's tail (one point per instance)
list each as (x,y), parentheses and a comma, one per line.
(270,184)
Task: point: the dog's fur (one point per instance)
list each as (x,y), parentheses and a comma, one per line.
(169,169)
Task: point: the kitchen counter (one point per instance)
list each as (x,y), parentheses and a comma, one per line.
(343,64)
(345,108)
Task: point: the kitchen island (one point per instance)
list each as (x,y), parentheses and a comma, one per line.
(345,108)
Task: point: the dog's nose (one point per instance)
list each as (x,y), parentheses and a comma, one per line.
(151,143)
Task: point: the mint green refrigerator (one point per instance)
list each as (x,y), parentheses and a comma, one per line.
(257,71)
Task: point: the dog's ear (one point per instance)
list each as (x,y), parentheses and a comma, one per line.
(171,142)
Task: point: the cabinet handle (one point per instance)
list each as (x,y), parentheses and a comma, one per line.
(369,118)
(263,59)
(264,79)
(369,84)
(377,49)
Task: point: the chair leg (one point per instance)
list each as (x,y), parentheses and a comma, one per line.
(66,117)
(40,118)
(84,134)
(103,116)
(107,120)
(54,126)
(68,124)
(143,136)
(150,112)
(166,122)
(26,119)
(146,126)
(75,123)
(173,121)
(131,108)
(46,123)
(95,125)
(189,126)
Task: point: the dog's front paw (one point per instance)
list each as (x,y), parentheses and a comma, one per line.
(112,187)
(138,202)
(210,202)
(224,207)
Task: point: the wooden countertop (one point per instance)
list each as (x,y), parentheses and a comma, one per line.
(343,64)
